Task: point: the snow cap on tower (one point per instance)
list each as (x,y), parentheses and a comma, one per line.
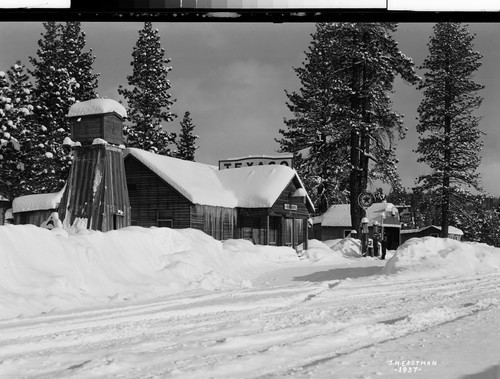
(97,106)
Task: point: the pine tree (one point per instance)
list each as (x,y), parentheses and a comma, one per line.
(78,62)
(449,135)
(7,142)
(15,119)
(63,76)
(343,115)
(186,142)
(148,100)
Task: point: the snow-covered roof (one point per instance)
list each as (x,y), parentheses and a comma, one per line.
(451,230)
(97,106)
(37,202)
(340,214)
(274,156)
(3,198)
(336,215)
(246,187)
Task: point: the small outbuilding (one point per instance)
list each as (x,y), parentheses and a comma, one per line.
(35,209)
(335,223)
(430,231)
(266,204)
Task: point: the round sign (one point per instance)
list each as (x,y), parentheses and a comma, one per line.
(365,199)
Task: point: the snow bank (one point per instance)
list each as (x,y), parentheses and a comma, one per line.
(437,257)
(43,270)
(332,251)
(348,247)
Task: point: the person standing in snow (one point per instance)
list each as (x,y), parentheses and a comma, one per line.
(375,244)
(384,246)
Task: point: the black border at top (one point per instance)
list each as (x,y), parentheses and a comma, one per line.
(117,10)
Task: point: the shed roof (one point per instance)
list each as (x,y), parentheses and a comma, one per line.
(451,230)
(37,202)
(340,214)
(245,187)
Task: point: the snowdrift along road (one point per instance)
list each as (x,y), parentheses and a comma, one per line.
(163,303)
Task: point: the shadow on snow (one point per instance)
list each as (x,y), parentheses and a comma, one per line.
(339,274)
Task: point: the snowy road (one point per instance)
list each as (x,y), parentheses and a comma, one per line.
(312,325)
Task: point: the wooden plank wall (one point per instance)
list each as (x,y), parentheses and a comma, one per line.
(301,213)
(218,222)
(33,217)
(107,126)
(286,198)
(96,188)
(148,194)
(112,129)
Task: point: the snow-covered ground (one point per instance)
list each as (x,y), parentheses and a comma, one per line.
(154,303)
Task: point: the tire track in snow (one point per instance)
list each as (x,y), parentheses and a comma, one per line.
(236,333)
(127,324)
(431,291)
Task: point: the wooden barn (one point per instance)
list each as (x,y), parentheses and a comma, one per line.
(335,223)
(266,204)
(35,209)
(430,231)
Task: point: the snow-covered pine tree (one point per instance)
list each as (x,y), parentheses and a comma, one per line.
(186,143)
(148,100)
(63,75)
(78,62)
(449,139)
(6,139)
(343,113)
(14,120)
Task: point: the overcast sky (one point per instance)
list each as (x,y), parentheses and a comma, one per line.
(232,77)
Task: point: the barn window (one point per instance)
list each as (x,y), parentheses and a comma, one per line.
(164,219)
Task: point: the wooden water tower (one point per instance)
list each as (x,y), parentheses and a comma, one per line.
(96,189)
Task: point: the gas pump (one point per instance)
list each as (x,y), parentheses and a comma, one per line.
(376,238)
(364,236)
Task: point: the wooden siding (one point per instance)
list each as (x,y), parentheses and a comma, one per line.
(108,126)
(218,222)
(33,217)
(149,195)
(252,224)
(278,207)
(96,188)
(325,233)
